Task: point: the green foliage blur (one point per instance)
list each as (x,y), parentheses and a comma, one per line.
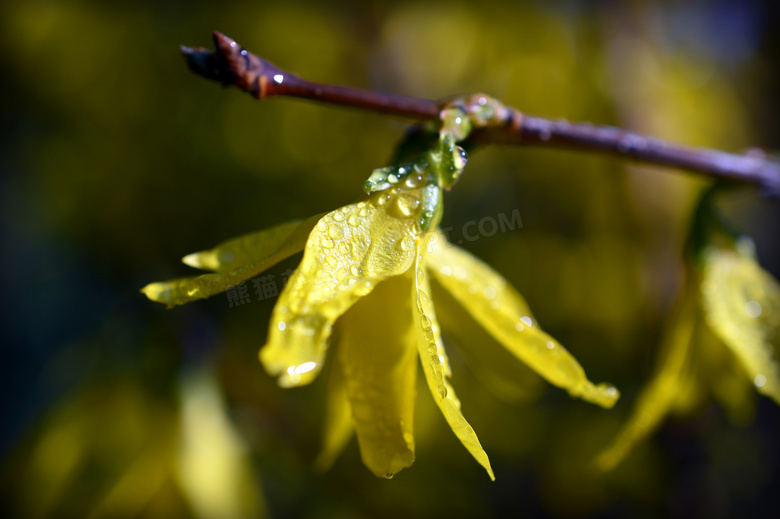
(117,161)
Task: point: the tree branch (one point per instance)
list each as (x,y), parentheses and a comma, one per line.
(231,64)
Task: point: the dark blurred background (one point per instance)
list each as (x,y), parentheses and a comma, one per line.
(117,161)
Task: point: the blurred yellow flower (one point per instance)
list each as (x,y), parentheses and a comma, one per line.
(364,279)
(724,339)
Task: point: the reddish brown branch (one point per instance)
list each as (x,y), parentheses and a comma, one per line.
(231,64)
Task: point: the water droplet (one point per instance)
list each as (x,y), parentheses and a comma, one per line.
(760,380)
(335,231)
(406,206)
(527,320)
(282,325)
(322,226)
(413,181)
(460,272)
(353,220)
(339,216)
(447,271)
(383,199)
(550,345)
(612,391)
(425,323)
(356,271)
(342,274)
(392,179)
(332,262)
(489,292)
(442,392)
(519,326)
(326,243)
(345,247)
(753,309)
(406,244)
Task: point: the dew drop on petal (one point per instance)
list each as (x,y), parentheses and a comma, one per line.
(753,309)
(326,242)
(489,293)
(527,320)
(305,367)
(338,216)
(447,271)
(353,220)
(282,325)
(519,326)
(406,244)
(550,345)
(460,272)
(760,380)
(335,231)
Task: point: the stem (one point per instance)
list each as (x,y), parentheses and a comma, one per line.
(231,64)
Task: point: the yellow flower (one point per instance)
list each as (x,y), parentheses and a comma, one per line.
(365,281)
(724,339)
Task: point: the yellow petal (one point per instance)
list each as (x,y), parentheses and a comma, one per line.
(436,368)
(244,249)
(722,376)
(338,421)
(498,307)
(500,371)
(230,272)
(657,398)
(742,306)
(349,251)
(214,465)
(378,356)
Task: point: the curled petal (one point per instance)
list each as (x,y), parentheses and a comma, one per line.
(234,261)
(741,303)
(349,251)
(378,357)
(658,397)
(498,307)
(436,369)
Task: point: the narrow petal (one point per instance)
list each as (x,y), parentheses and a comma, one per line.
(243,250)
(338,421)
(498,307)
(377,354)
(500,371)
(657,398)
(436,369)
(232,270)
(742,306)
(349,251)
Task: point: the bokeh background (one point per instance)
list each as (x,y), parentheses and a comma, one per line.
(117,161)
